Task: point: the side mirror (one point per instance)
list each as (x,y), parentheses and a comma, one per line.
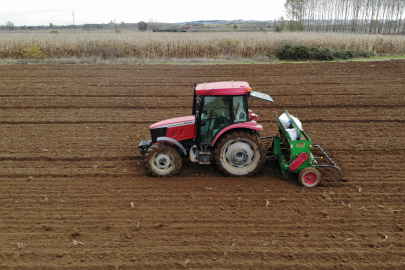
(203,122)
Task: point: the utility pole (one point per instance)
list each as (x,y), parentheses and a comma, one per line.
(73,14)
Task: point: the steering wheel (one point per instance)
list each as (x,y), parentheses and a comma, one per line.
(213,113)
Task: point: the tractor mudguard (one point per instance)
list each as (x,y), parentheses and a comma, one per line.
(246,125)
(172,141)
(144,146)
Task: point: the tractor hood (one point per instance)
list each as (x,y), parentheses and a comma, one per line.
(174,122)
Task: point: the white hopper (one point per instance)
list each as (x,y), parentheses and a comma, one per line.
(285,121)
(293,133)
(297,121)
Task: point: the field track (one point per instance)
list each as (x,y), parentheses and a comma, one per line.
(74,192)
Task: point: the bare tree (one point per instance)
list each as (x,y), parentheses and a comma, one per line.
(356,16)
(10,25)
(142,26)
(153,24)
(400,8)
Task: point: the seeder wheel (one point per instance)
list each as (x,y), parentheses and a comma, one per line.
(309,177)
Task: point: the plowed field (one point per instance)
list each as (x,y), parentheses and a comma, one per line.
(74,192)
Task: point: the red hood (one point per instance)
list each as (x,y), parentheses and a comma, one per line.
(179,121)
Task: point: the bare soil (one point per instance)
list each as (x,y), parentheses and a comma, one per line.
(74,192)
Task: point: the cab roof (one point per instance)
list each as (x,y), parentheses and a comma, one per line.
(230,88)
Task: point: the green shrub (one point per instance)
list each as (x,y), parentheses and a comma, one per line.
(105,50)
(33,52)
(228,46)
(54,32)
(305,52)
(366,54)
(295,26)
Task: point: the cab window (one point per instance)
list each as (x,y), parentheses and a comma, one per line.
(239,109)
(217,115)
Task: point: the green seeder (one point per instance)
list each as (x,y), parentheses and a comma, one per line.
(296,156)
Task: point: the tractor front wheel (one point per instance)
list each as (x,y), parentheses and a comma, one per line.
(239,153)
(309,177)
(162,160)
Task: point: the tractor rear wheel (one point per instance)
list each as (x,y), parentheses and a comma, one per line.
(309,177)
(239,153)
(162,160)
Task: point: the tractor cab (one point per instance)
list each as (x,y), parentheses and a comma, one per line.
(218,112)
(222,104)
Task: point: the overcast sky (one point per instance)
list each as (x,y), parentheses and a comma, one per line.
(43,12)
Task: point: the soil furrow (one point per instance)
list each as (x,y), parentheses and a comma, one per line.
(75,194)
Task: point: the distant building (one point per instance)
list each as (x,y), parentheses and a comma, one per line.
(186,29)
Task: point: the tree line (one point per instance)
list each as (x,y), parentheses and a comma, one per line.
(347,16)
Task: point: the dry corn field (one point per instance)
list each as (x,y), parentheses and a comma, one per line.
(185,45)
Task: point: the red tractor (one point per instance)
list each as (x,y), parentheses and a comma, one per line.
(221,130)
